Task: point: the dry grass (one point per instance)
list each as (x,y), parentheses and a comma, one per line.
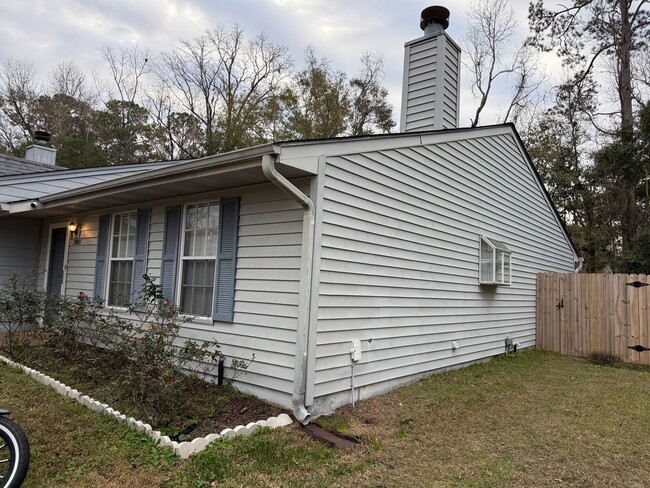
(72,446)
(536,419)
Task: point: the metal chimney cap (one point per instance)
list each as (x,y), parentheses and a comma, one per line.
(42,137)
(436,14)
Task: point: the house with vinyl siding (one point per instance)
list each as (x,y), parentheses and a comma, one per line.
(347,266)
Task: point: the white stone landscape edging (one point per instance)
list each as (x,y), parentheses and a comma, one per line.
(182,449)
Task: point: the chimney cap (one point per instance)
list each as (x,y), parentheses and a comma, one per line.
(42,137)
(436,14)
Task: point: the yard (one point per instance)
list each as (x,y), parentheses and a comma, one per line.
(534,419)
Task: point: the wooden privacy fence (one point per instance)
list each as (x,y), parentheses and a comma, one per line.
(586,314)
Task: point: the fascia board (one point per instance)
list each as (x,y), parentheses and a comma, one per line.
(206,166)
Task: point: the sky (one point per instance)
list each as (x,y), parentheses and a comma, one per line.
(49,32)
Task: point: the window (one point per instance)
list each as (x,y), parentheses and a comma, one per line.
(121,259)
(198,259)
(494,262)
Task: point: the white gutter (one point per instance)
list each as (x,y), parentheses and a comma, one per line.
(304,302)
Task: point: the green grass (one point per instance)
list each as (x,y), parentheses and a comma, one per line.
(535,419)
(72,446)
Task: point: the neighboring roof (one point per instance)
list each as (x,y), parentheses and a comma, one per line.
(12,165)
(33,186)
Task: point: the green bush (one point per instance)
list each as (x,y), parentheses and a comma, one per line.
(138,355)
(22,308)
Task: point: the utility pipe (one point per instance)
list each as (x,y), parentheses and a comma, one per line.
(304,302)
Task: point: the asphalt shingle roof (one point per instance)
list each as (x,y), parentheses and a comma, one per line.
(12,165)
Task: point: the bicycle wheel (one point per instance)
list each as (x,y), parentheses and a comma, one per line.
(14,454)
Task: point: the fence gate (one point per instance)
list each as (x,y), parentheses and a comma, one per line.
(587,314)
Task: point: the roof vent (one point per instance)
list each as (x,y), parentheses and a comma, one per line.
(434,20)
(40,152)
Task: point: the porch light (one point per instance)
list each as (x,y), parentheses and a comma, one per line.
(74,232)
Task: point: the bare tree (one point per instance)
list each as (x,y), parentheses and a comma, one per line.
(68,79)
(181,133)
(18,92)
(127,67)
(226,82)
(528,82)
(370,110)
(487,43)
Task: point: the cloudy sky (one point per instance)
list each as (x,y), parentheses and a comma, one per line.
(49,32)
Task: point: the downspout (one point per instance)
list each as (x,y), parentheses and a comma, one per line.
(581,262)
(304,302)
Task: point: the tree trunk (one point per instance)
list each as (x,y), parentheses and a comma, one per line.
(629,216)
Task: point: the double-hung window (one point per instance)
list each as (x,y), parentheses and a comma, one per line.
(494,262)
(198,258)
(123,239)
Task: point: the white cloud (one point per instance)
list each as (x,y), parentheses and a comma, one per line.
(50,32)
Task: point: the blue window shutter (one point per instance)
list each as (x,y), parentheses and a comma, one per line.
(100,260)
(224,282)
(140,255)
(171,241)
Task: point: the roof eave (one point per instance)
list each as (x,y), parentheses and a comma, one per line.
(209,165)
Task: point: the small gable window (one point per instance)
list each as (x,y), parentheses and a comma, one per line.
(494,262)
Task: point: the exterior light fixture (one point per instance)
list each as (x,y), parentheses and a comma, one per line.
(74,232)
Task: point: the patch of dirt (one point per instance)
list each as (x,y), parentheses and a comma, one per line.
(204,408)
(233,411)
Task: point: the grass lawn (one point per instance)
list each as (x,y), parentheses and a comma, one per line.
(535,419)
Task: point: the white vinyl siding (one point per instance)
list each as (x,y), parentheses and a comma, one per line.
(266,288)
(19,247)
(400,260)
(266,292)
(430,84)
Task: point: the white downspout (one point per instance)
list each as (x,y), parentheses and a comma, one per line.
(304,303)
(581,262)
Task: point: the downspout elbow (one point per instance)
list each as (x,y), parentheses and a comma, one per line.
(272,174)
(581,262)
(300,412)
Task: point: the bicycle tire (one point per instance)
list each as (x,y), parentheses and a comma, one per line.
(17,446)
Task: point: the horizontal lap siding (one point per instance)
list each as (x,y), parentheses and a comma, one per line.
(432,84)
(19,247)
(81,258)
(266,292)
(399,264)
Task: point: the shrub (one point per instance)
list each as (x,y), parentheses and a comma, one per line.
(140,354)
(21,313)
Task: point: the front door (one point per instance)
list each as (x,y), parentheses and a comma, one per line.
(57,261)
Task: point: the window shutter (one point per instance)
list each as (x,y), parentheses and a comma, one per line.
(224,283)
(100,259)
(170,252)
(140,255)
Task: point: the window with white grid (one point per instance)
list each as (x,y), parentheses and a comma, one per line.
(494,262)
(121,259)
(198,258)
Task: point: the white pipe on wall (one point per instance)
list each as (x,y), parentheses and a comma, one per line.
(304,304)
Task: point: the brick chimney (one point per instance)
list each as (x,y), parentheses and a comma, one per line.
(431,83)
(40,152)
